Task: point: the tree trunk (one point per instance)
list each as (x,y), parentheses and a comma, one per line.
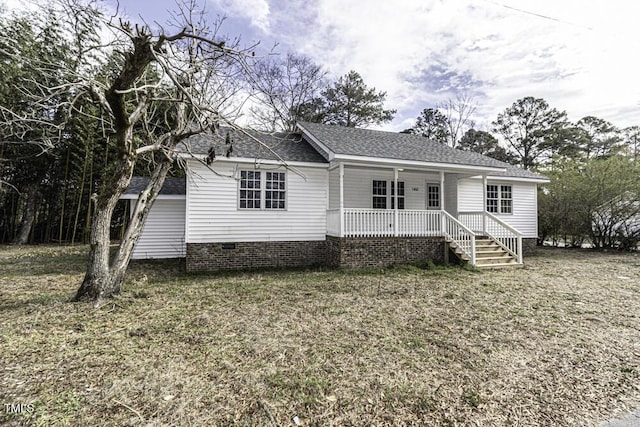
(28,216)
(103,278)
(136,222)
(96,284)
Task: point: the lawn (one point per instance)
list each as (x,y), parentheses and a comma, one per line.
(554,343)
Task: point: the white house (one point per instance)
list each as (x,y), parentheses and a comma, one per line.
(337,196)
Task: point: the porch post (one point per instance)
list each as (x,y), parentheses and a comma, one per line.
(442,209)
(341,170)
(442,190)
(395,202)
(484,204)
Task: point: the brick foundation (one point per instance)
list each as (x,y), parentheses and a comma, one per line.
(349,252)
(246,255)
(359,252)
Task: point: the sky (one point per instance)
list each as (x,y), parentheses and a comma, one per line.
(580,56)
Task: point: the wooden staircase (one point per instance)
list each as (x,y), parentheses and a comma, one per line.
(489,254)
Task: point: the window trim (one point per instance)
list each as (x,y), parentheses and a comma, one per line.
(263,190)
(499,202)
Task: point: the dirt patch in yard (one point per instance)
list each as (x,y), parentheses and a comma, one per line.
(554,343)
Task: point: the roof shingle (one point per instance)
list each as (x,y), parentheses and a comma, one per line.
(401,146)
(171,186)
(288,147)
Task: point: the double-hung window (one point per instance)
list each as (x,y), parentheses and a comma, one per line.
(384,194)
(379,194)
(274,193)
(400,195)
(250,190)
(499,199)
(262,190)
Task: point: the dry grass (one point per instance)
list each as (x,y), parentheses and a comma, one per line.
(555,343)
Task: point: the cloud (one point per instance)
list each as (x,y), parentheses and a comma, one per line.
(256,11)
(573,54)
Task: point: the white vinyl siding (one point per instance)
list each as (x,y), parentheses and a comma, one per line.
(524,216)
(334,189)
(358,184)
(163,232)
(451,194)
(214,215)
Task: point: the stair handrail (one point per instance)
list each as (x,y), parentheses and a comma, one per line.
(447,218)
(517,251)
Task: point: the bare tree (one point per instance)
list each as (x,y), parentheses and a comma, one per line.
(447,122)
(187,74)
(459,114)
(283,87)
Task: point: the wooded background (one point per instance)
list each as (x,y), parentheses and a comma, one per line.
(52,162)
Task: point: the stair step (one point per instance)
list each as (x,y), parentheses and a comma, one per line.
(495,255)
(489,254)
(500,265)
(490,251)
(495,260)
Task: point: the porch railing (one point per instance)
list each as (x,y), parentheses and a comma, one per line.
(489,225)
(419,223)
(464,238)
(381,223)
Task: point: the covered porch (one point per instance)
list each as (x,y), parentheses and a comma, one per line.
(403,202)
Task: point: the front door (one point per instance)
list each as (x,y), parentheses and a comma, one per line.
(433,196)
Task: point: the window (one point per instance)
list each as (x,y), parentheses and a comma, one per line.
(256,194)
(382,198)
(274,190)
(379,194)
(433,196)
(499,199)
(250,196)
(400,195)
(505,199)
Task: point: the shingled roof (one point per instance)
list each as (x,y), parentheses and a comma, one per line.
(171,186)
(342,140)
(288,147)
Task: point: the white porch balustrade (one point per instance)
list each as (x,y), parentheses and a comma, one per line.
(426,223)
(487,224)
(381,223)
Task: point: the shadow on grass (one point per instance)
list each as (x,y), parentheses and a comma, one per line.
(42,260)
(37,302)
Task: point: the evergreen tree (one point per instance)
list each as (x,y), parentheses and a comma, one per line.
(349,102)
(484,143)
(530,127)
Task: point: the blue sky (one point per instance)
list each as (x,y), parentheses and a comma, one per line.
(578,55)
